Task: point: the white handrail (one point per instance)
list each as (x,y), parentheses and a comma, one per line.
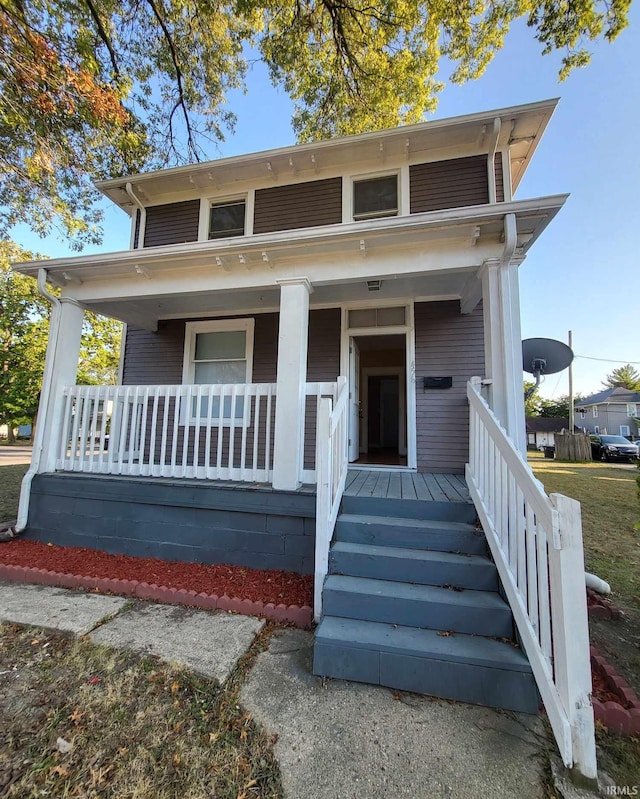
(331,469)
(536,543)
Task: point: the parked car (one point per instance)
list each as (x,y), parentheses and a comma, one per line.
(613,448)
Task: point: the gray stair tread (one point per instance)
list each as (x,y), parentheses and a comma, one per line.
(460,648)
(468,597)
(424,555)
(420,524)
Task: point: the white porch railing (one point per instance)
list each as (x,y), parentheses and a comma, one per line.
(209,432)
(331,467)
(536,543)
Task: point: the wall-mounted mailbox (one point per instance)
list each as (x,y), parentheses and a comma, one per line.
(437,382)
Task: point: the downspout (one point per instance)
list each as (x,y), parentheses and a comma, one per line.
(41,424)
(493,146)
(143,213)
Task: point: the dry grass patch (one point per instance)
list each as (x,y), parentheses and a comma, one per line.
(10,482)
(135,728)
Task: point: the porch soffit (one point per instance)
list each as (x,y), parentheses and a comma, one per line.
(377,244)
(522,128)
(147,311)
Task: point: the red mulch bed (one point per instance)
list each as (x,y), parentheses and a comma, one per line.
(277,587)
(603,693)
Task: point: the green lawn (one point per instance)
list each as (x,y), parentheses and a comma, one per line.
(610,511)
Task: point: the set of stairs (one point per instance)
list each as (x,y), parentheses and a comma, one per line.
(412,602)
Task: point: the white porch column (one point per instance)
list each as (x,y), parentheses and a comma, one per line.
(493,339)
(61,367)
(512,354)
(288,448)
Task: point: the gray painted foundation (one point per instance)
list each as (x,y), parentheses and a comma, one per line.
(181,520)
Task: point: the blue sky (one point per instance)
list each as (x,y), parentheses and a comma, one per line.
(582,275)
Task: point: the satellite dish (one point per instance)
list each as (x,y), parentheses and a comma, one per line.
(544,356)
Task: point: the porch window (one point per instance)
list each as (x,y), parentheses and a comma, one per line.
(377,317)
(226,219)
(217,353)
(375,197)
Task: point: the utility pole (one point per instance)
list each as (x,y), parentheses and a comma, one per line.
(571,421)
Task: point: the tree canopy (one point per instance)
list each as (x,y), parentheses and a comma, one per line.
(100,89)
(24,329)
(626,376)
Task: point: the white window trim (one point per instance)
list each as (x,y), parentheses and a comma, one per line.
(205,208)
(596,429)
(624,427)
(595,411)
(348,206)
(214,326)
(632,409)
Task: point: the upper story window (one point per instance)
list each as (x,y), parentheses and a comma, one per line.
(375,197)
(227,219)
(595,411)
(632,409)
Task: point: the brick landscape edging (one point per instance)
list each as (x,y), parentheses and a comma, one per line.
(613,715)
(299,616)
(601,608)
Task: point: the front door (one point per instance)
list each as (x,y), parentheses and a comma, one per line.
(378,423)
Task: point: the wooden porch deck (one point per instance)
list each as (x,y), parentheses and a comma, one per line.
(394,484)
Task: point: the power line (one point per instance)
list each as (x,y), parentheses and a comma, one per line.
(607,360)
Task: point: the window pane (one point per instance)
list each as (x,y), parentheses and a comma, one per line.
(375,197)
(218,373)
(238,407)
(365,317)
(220,345)
(226,219)
(390,316)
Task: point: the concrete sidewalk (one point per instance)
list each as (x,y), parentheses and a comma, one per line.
(15,455)
(335,739)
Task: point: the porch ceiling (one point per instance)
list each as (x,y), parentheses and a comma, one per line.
(146,311)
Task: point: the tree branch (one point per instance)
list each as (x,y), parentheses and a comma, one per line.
(104,36)
(181,102)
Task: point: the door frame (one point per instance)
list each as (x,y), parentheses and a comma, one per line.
(408,330)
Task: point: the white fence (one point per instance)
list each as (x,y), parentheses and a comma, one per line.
(331,465)
(536,543)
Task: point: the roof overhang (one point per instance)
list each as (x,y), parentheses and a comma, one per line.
(475,224)
(521,129)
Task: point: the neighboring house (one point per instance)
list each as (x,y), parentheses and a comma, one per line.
(615,411)
(294,311)
(541,430)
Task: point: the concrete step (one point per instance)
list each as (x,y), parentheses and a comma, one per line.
(411,533)
(410,508)
(424,606)
(461,667)
(413,566)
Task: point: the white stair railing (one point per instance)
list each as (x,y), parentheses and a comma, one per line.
(331,469)
(536,543)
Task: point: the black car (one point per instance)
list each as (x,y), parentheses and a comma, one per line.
(613,448)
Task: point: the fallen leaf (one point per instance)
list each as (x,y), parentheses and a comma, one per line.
(445,634)
(175,687)
(94,680)
(77,716)
(61,771)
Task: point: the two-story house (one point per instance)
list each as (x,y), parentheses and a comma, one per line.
(322,342)
(614,411)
